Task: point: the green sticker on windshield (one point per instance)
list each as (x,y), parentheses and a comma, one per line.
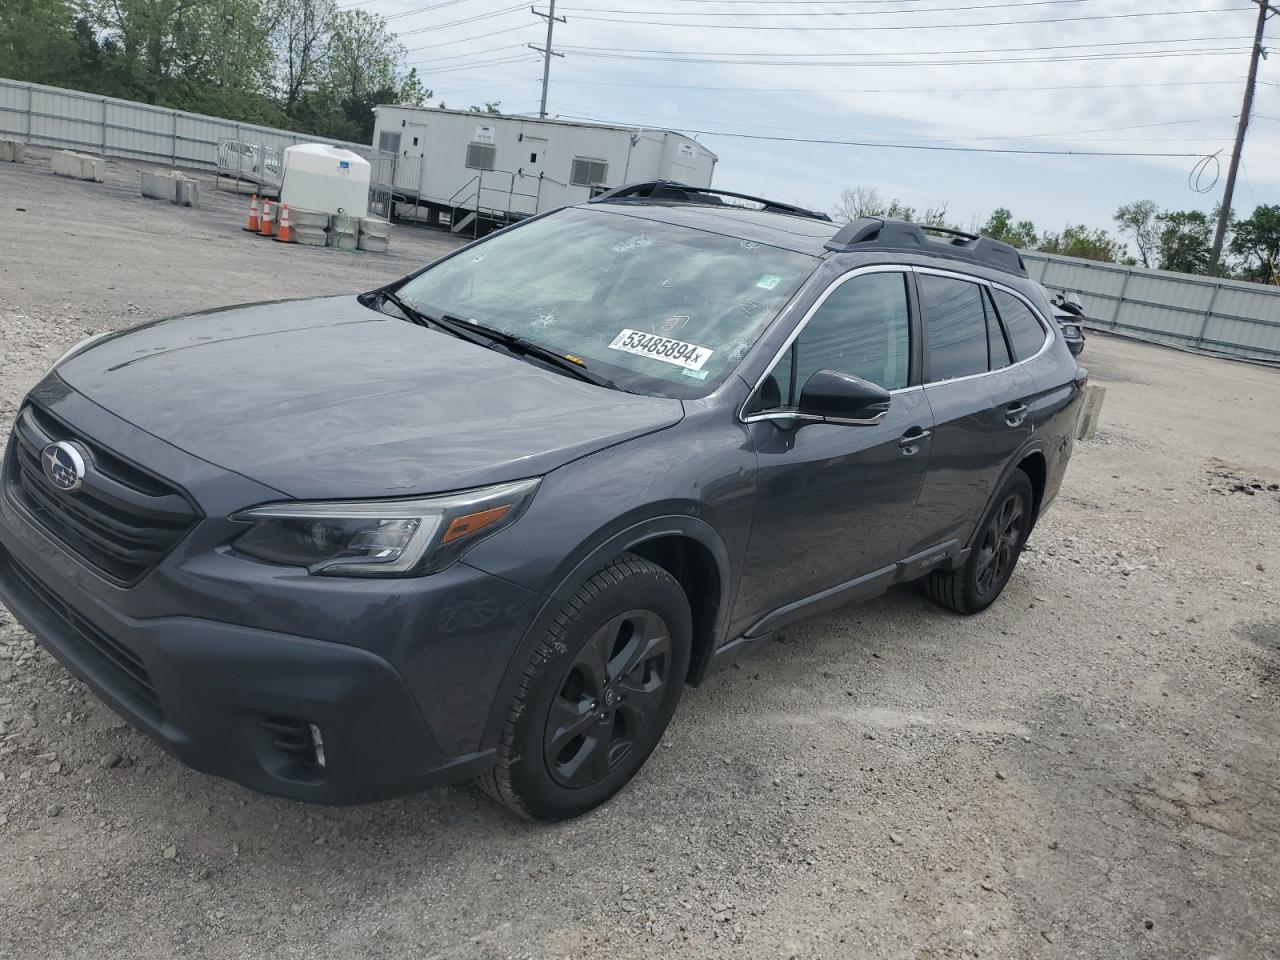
(768,281)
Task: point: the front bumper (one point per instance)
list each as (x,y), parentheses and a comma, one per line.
(222,698)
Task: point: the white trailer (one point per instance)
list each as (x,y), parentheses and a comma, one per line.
(460,168)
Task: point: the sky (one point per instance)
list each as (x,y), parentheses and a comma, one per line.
(1105,76)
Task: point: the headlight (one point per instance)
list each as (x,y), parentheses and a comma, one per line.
(381,537)
(83,345)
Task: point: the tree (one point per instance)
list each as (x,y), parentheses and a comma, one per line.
(1138,220)
(1257,239)
(301,38)
(858,202)
(1077,240)
(1184,241)
(1000,226)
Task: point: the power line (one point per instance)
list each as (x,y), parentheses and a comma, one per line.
(897,90)
(455,23)
(1074,58)
(921,26)
(828,13)
(426,9)
(913,146)
(481,36)
(892,53)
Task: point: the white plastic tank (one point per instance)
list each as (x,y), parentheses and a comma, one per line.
(320,177)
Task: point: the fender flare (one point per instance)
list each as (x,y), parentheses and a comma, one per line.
(594,558)
(1034,444)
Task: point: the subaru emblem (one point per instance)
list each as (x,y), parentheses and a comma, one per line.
(63,465)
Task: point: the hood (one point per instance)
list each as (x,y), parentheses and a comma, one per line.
(326,398)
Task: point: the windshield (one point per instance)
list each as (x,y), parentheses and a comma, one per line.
(656,308)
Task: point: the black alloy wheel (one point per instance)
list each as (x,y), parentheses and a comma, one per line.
(1003,531)
(999,545)
(611,694)
(593,697)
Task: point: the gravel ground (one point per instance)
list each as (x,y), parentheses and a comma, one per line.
(1088,769)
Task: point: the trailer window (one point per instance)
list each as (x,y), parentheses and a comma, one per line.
(389,142)
(480,156)
(588,173)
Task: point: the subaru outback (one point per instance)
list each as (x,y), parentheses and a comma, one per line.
(488,521)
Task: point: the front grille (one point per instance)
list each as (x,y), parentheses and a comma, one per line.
(108,652)
(121,521)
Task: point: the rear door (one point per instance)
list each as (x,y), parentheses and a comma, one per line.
(979,399)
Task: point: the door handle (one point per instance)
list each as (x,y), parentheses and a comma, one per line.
(910,441)
(1015,413)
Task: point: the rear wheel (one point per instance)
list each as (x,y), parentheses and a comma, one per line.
(597,694)
(995,552)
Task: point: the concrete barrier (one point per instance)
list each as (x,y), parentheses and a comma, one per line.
(375,235)
(12,151)
(171,186)
(160,186)
(310,227)
(344,231)
(78,166)
(188,193)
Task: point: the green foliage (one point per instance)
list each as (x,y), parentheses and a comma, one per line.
(1257,240)
(299,64)
(1184,241)
(1138,221)
(1001,226)
(1077,240)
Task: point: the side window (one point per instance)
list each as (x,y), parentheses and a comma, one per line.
(1025,331)
(862,329)
(997,348)
(957,327)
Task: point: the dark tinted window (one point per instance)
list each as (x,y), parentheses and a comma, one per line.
(862,329)
(1024,329)
(997,349)
(957,327)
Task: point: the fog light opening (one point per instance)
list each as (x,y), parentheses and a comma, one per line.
(317,745)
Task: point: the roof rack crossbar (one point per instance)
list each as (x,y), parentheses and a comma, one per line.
(900,235)
(670,190)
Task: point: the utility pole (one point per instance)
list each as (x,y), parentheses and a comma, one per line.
(1224,214)
(547,52)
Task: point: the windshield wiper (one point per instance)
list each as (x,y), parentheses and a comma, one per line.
(480,334)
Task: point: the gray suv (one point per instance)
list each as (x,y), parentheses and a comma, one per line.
(487,522)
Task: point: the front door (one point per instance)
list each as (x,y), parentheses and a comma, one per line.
(833,499)
(979,400)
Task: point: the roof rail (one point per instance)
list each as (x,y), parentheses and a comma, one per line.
(671,191)
(900,235)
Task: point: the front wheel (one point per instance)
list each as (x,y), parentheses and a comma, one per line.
(999,542)
(596,695)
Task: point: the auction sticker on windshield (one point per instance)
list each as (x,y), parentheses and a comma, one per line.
(687,355)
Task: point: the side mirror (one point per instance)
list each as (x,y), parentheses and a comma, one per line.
(843,397)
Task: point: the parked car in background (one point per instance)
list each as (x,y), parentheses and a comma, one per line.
(1068,311)
(488,520)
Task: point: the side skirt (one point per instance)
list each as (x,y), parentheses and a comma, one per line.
(942,556)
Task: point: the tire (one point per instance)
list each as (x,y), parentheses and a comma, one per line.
(996,548)
(596,695)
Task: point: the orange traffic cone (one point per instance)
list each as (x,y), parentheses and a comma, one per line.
(286,232)
(252,225)
(268,220)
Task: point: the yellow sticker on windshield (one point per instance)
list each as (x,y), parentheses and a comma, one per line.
(656,347)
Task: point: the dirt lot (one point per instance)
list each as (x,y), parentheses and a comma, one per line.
(1089,769)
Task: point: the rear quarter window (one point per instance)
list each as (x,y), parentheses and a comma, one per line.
(1025,332)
